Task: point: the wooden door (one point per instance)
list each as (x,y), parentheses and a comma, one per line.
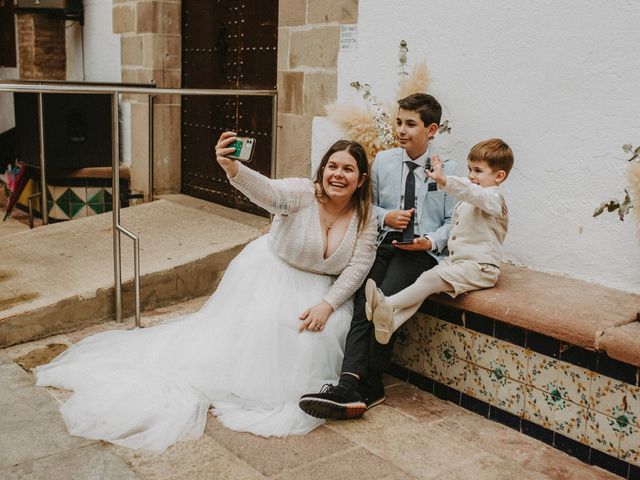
(226,44)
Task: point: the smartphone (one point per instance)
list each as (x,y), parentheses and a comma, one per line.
(410,242)
(244,148)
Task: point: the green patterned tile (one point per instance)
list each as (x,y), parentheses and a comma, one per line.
(541,371)
(607,395)
(633,403)
(630,446)
(603,433)
(540,407)
(571,420)
(79,194)
(510,396)
(575,382)
(515,361)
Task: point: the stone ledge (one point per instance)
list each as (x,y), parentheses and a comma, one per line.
(574,311)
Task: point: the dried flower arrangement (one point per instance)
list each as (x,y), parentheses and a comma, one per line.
(373,125)
(634,177)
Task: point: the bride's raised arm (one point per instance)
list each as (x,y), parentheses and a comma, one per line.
(277,196)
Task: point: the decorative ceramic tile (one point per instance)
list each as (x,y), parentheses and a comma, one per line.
(575,381)
(571,420)
(633,403)
(603,433)
(540,407)
(462,340)
(541,371)
(409,349)
(485,351)
(510,396)
(606,395)
(80,192)
(630,446)
(515,361)
(478,383)
(457,373)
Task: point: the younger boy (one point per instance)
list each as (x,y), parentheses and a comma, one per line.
(478,227)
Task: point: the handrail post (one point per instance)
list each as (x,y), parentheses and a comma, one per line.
(115,204)
(136,269)
(274,135)
(43,163)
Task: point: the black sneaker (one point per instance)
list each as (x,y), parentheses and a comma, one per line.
(333,401)
(373,393)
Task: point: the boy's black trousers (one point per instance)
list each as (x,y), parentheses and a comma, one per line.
(393,270)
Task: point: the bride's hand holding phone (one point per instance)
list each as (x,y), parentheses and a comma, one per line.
(223,150)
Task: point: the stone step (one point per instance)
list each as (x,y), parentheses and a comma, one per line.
(59,278)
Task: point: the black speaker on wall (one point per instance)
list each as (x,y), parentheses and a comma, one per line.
(77,130)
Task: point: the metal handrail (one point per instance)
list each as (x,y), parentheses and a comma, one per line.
(115,91)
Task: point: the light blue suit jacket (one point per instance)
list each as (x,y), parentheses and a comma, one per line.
(435,205)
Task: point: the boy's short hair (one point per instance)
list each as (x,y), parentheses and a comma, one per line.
(425,105)
(495,152)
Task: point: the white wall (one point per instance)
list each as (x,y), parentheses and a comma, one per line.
(557,80)
(101,45)
(7,117)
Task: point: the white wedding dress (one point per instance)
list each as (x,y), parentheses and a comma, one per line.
(241,353)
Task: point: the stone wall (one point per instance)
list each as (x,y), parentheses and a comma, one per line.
(308,44)
(41,47)
(151,54)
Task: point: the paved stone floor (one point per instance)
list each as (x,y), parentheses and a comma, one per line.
(413,435)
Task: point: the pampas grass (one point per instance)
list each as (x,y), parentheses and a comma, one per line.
(359,123)
(417,81)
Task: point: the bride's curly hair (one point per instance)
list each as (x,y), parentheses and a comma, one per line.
(361,198)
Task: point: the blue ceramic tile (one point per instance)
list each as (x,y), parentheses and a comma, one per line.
(579,356)
(475,405)
(510,333)
(536,431)
(572,447)
(612,464)
(479,323)
(450,314)
(445,392)
(505,418)
(543,344)
(616,369)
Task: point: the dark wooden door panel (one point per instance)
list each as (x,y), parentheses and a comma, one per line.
(226,44)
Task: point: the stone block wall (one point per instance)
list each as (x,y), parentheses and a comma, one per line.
(41,47)
(308,45)
(150,42)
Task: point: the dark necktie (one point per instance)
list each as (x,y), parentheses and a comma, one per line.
(409,200)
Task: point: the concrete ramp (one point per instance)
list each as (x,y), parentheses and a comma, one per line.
(59,278)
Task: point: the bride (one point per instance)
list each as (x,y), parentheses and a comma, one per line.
(274,329)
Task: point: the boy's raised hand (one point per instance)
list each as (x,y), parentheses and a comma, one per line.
(437,171)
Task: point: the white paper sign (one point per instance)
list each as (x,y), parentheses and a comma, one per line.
(348,37)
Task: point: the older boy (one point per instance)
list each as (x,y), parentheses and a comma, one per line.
(414,218)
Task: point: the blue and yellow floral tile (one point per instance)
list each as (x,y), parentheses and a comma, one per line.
(485,351)
(510,396)
(633,405)
(607,395)
(480,383)
(603,433)
(571,419)
(575,382)
(463,341)
(630,446)
(514,361)
(540,407)
(541,371)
